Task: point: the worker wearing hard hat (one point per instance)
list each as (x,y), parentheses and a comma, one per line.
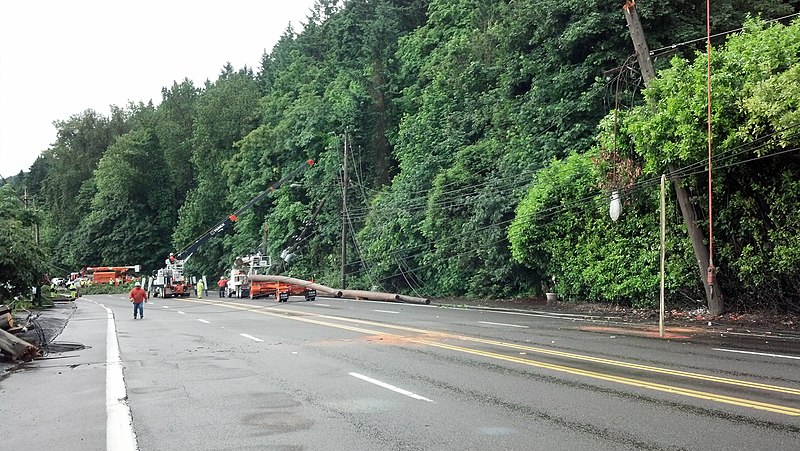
(223,282)
(138,296)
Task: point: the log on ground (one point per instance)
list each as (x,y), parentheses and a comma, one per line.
(17,348)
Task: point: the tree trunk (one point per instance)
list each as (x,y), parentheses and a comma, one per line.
(714,295)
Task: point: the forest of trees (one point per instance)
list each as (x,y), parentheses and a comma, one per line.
(485,137)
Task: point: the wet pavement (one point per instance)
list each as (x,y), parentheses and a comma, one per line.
(59,398)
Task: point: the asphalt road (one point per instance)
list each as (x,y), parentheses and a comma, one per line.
(336,374)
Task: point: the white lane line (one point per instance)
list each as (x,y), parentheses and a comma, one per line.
(782,337)
(203,321)
(390,387)
(119,430)
(165,306)
(323,305)
(759,353)
(251,337)
(385,311)
(503,324)
(182,313)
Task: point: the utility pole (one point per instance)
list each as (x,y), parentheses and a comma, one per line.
(37,289)
(345,182)
(639,43)
(714,294)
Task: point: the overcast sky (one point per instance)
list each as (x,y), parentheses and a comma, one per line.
(61,57)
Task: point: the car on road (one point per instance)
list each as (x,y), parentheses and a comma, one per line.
(57,281)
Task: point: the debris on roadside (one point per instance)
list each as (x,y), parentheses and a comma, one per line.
(11,346)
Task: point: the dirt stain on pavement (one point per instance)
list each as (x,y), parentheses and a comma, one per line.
(671,333)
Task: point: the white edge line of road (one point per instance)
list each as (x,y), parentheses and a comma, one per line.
(203,321)
(504,324)
(321,305)
(251,337)
(119,423)
(758,353)
(390,387)
(384,311)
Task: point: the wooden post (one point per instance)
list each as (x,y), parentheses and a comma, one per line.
(663,253)
(344,216)
(714,295)
(639,43)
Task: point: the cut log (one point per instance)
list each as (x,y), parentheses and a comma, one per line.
(17,348)
(4,309)
(6,321)
(369,295)
(413,300)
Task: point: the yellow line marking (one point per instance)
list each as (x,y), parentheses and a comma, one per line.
(281,313)
(624,380)
(635,366)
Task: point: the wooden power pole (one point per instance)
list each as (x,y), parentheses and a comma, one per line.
(714,294)
(344,215)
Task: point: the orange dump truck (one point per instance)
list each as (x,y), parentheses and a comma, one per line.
(111,274)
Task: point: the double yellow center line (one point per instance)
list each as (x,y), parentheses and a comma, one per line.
(318,319)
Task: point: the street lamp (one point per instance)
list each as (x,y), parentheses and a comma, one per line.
(615,208)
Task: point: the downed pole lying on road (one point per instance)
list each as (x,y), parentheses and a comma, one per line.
(340,293)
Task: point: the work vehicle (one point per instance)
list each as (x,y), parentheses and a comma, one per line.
(171,280)
(245,266)
(111,274)
(281,290)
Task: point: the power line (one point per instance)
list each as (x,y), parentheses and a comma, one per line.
(723,33)
(551,212)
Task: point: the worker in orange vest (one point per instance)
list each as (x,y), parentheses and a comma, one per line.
(223,282)
(138,296)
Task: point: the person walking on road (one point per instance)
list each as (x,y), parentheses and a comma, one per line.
(138,296)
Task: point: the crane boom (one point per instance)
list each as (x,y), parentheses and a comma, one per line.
(223,225)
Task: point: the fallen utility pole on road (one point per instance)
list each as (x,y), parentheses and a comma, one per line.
(339,293)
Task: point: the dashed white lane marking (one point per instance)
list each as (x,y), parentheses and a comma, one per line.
(251,337)
(759,353)
(119,429)
(182,313)
(385,311)
(390,387)
(323,305)
(203,321)
(165,306)
(503,324)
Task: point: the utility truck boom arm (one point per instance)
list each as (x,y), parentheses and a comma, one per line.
(223,225)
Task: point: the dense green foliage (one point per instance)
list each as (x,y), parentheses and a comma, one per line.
(479,136)
(755,83)
(22,262)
